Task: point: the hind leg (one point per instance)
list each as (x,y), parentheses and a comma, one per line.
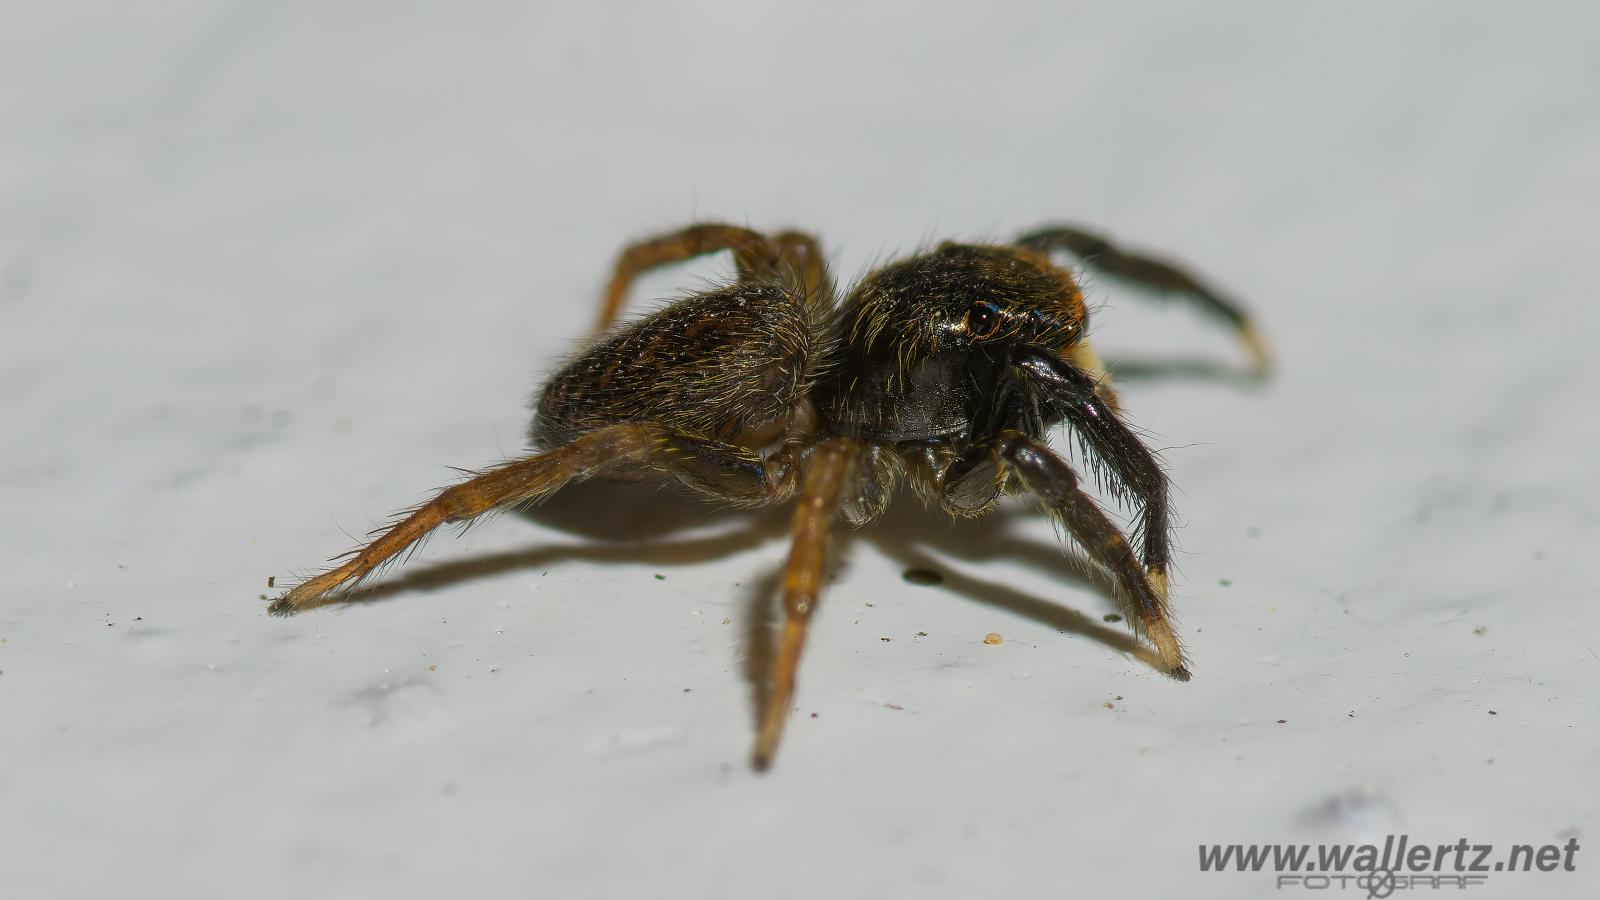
(792,256)
(727,472)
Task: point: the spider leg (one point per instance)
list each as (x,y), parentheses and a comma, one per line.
(1084,357)
(801,258)
(1049,478)
(725,471)
(827,472)
(793,255)
(1134,469)
(1155,274)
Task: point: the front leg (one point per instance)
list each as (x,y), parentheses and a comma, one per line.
(1049,478)
(1134,469)
(1156,275)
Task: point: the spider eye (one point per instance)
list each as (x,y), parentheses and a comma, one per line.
(983,319)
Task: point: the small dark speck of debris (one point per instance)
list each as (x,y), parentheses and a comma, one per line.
(922,634)
(687,690)
(813,715)
(1111,617)
(1480,631)
(138,618)
(660,577)
(884,639)
(1493,713)
(893,706)
(922,577)
(1225,582)
(272,581)
(263,596)
(1282,721)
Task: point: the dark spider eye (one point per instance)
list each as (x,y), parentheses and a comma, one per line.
(983,319)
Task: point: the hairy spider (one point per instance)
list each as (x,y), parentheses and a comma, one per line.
(945,370)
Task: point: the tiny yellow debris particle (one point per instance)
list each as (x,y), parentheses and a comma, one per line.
(993,639)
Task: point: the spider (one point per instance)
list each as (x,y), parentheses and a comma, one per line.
(944,371)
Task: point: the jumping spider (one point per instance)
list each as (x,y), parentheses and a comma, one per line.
(945,370)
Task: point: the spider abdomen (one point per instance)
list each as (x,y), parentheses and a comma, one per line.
(718,364)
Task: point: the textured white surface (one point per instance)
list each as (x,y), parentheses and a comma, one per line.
(265,270)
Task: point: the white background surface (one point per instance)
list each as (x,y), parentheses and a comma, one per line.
(266,269)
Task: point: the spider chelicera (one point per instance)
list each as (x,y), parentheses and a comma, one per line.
(944,371)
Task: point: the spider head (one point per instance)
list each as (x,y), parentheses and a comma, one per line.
(926,339)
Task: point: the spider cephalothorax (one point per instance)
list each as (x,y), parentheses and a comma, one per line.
(944,371)
(925,339)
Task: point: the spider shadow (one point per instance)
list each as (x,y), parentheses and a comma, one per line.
(638,523)
(619,522)
(918,538)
